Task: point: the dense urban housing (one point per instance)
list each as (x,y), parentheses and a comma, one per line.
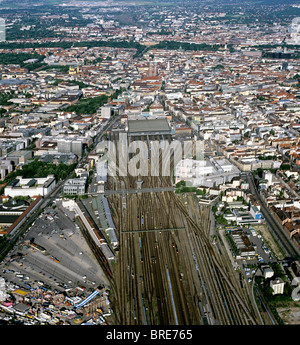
(149,164)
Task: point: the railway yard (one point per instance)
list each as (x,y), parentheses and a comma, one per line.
(168,265)
(168,271)
(150,166)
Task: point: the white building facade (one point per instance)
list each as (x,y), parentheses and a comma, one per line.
(30,186)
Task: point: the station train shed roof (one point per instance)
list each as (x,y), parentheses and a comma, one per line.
(148,127)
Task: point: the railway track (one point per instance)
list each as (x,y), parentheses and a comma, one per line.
(170,277)
(216,264)
(101,258)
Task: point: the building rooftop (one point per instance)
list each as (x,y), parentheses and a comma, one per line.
(148,125)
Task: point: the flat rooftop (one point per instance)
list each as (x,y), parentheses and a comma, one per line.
(18,153)
(147,126)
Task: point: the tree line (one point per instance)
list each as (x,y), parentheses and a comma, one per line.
(20,58)
(91,104)
(175,45)
(38,169)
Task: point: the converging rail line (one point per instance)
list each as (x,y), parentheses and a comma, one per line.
(168,271)
(151,230)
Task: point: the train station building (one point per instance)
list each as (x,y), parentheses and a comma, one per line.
(149,127)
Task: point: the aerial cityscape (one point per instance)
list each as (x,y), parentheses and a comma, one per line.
(149,163)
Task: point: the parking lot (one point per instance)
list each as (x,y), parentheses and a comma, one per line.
(249,264)
(53,252)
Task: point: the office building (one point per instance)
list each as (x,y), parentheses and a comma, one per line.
(21,186)
(75,186)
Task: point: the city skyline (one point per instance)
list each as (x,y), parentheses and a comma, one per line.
(149,164)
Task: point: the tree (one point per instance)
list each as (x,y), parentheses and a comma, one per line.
(38,169)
